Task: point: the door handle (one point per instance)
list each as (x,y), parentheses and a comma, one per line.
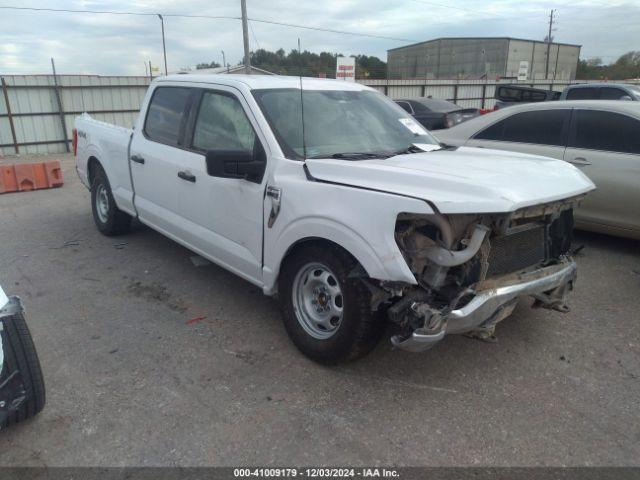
(137,159)
(580,161)
(189,177)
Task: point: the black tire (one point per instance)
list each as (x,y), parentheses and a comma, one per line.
(21,353)
(114,221)
(360,328)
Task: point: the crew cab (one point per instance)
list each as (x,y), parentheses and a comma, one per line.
(331,197)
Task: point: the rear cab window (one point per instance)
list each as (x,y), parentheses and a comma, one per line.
(166,114)
(543,127)
(405,106)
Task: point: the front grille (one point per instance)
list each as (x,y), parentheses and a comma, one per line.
(514,252)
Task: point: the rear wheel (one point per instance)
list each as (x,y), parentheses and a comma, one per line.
(326,313)
(109,219)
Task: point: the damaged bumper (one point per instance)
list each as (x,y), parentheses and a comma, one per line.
(495,302)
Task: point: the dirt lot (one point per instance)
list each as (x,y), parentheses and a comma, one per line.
(132,381)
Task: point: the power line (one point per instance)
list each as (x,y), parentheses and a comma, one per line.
(254,36)
(114,12)
(216,17)
(467,10)
(343,32)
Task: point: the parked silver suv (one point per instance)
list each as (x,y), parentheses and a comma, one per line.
(601,91)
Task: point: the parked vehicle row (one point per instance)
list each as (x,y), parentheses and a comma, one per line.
(435,114)
(348,210)
(602,138)
(507,95)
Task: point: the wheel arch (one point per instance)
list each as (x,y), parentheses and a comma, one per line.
(330,233)
(92,167)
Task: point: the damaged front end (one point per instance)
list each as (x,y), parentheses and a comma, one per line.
(471,270)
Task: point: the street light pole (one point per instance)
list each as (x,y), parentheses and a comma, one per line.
(164,48)
(245,37)
(224,62)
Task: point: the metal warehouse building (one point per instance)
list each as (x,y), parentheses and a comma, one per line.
(483,56)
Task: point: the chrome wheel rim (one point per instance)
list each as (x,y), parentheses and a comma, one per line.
(102,203)
(317,300)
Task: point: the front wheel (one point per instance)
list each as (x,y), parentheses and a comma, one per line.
(326,313)
(109,219)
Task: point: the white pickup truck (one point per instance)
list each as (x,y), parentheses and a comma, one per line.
(329,196)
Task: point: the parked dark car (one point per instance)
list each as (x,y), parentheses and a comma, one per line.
(507,95)
(601,91)
(22,392)
(435,114)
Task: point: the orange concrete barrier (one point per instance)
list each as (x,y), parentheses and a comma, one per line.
(23,177)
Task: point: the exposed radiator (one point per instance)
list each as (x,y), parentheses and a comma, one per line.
(513,252)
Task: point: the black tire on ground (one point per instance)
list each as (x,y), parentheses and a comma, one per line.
(114,221)
(360,329)
(21,352)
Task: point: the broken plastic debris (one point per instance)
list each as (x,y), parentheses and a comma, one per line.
(195,320)
(199,261)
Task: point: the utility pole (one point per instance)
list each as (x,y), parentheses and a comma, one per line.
(245,37)
(164,48)
(224,61)
(546,70)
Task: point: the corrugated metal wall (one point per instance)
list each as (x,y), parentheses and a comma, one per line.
(35,113)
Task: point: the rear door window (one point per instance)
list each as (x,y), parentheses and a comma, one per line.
(606,131)
(166,114)
(544,127)
(583,93)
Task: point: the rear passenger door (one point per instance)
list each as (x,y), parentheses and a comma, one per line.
(539,132)
(606,147)
(156,156)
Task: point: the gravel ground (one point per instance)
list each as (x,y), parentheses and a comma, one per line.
(132,381)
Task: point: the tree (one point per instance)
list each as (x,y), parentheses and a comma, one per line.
(200,66)
(313,64)
(626,66)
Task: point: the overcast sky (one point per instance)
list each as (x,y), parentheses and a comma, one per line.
(118,44)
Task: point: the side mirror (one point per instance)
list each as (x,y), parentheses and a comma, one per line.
(626,98)
(245,164)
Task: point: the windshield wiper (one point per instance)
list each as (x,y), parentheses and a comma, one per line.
(413,148)
(352,155)
(410,149)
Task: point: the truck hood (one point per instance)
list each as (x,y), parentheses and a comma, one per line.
(464,180)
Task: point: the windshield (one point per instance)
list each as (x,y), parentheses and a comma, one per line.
(339,123)
(635,89)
